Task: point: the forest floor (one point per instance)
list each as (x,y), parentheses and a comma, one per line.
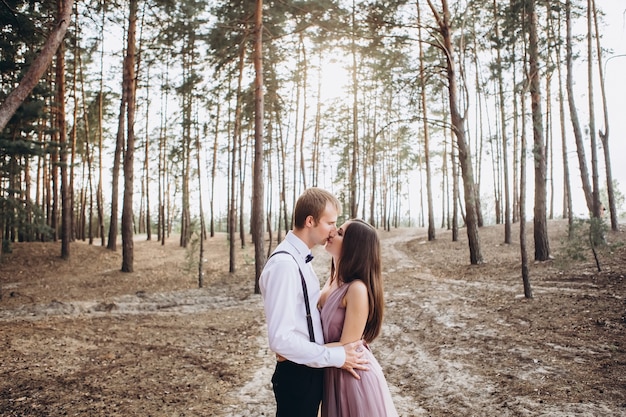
(79,337)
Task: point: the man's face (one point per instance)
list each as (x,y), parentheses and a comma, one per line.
(326,227)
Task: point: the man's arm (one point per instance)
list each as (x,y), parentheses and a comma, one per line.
(281,288)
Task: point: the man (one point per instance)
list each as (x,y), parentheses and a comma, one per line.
(297,380)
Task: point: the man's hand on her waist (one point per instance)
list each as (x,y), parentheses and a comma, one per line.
(354,358)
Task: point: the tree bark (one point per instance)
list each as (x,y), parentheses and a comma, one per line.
(88,151)
(163,168)
(522,206)
(66,203)
(185,141)
(115,175)
(74,133)
(232,207)
(542,245)
(429,189)
(127,208)
(580,147)
(214,168)
(39,65)
(201,234)
(355,121)
(595,176)
(258,210)
(604,135)
(99,195)
(146,170)
(458,125)
(305,106)
(505,150)
(567,194)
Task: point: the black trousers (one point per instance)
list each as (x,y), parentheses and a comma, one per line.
(297,389)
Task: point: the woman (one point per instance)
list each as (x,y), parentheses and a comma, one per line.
(351,308)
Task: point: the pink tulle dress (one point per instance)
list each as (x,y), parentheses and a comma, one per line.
(344,395)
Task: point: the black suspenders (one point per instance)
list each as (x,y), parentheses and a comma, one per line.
(309,321)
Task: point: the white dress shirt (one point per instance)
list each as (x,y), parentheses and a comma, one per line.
(285,311)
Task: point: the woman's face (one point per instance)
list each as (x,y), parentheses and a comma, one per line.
(333,246)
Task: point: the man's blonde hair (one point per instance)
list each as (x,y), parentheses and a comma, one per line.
(312,202)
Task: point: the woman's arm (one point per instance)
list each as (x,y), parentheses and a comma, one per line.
(357,310)
(357,306)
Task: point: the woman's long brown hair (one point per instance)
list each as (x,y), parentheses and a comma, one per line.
(360,259)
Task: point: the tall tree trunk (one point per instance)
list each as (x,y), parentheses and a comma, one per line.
(39,182)
(374,194)
(315,155)
(595,175)
(80,218)
(355,121)
(214,167)
(567,187)
(445,181)
(580,147)
(458,124)
(88,151)
(549,145)
(162,168)
(49,183)
(516,144)
(604,135)
(117,156)
(258,210)
(374,185)
(269,212)
(187,106)
(232,214)
(549,115)
(146,170)
(54,177)
(283,184)
(503,127)
(99,197)
(242,165)
(429,188)
(66,203)
(74,133)
(127,205)
(296,143)
(522,205)
(542,245)
(201,234)
(89,159)
(455,188)
(304,107)
(397,184)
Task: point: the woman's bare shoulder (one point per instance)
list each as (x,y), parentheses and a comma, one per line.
(357,289)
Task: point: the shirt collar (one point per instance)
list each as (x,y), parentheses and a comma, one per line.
(301,247)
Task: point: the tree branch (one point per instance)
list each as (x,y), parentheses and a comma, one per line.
(38,67)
